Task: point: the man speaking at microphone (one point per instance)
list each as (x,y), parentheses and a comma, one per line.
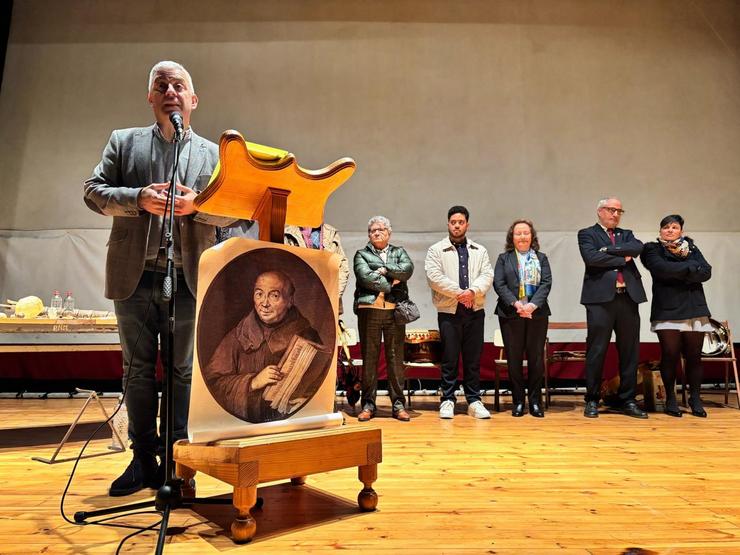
(130,183)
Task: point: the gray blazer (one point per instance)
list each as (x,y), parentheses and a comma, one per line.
(113,189)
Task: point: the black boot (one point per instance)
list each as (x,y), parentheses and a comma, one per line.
(694,374)
(697,409)
(671,405)
(139,474)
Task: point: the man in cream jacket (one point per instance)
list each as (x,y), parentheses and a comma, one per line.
(460,274)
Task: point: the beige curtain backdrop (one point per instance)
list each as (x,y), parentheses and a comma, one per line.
(515,108)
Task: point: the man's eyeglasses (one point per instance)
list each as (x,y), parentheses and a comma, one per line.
(613,211)
(375,230)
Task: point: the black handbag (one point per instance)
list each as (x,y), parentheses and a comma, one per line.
(406,312)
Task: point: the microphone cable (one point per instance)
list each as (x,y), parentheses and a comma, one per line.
(127,368)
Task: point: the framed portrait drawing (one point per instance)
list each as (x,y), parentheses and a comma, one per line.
(265,341)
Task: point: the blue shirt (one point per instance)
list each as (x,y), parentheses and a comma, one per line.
(462,256)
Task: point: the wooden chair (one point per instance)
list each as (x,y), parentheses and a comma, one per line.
(421,345)
(561,356)
(727,358)
(498,341)
(408,380)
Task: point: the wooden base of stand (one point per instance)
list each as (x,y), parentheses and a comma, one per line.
(245,463)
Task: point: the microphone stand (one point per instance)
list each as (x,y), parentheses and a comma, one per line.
(169,496)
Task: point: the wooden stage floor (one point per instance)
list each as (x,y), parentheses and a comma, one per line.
(562,484)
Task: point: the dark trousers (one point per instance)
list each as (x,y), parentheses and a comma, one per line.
(621,316)
(461,333)
(139,379)
(672,344)
(374,324)
(525,335)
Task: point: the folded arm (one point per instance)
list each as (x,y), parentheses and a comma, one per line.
(370,278)
(660,267)
(402,269)
(628,246)
(593,255)
(699,270)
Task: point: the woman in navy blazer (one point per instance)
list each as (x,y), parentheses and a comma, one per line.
(679,313)
(522,280)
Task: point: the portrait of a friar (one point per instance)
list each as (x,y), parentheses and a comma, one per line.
(273,360)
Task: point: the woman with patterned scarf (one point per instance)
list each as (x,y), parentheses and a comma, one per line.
(679,312)
(522,280)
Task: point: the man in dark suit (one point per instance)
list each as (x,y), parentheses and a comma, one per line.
(130,184)
(612,290)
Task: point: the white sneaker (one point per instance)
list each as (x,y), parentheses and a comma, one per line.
(477,410)
(447,409)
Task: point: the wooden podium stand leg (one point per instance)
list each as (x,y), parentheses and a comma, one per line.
(244,526)
(298,481)
(367,498)
(187,474)
(270,213)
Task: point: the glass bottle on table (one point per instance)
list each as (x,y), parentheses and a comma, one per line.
(68,308)
(55,305)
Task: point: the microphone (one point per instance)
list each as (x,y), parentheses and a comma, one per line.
(176,120)
(167,289)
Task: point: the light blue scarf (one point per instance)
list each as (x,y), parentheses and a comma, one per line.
(529,274)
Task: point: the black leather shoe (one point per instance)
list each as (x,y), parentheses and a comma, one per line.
(697,409)
(139,474)
(631,409)
(536,411)
(673,411)
(591,410)
(671,407)
(518,410)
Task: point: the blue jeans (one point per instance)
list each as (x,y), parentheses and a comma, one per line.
(141,332)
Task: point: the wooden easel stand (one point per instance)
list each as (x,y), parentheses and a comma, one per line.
(118,446)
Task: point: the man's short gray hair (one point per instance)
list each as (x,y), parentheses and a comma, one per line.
(385,222)
(168,64)
(602,202)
